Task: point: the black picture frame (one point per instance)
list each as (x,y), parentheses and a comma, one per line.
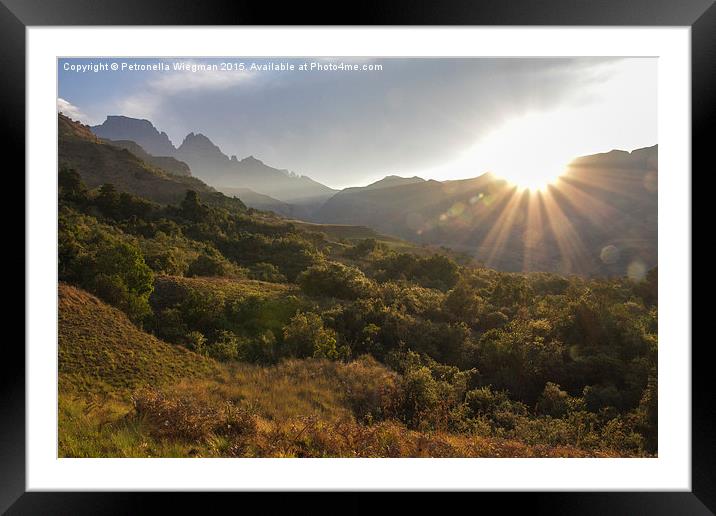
(17,15)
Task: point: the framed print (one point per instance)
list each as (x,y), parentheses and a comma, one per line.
(425,251)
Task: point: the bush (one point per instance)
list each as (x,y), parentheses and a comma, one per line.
(267,272)
(224,347)
(553,401)
(485,401)
(196,342)
(334,279)
(436,271)
(305,336)
(118,274)
(206,265)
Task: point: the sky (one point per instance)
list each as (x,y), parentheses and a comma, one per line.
(351,121)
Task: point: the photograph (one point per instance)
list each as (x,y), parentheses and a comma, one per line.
(375,257)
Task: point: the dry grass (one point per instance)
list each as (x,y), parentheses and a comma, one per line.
(102,353)
(182,417)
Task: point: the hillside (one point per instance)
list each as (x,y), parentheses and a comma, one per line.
(99,163)
(101,351)
(603,202)
(210,164)
(125,393)
(166,163)
(264,202)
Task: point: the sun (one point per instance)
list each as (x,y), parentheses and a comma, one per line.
(526,152)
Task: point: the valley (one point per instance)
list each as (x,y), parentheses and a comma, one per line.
(217,307)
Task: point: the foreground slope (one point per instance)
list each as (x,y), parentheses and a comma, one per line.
(100,350)
(125,393)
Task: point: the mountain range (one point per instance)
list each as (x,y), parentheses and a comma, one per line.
(599,218)
(99,161)
(210,164)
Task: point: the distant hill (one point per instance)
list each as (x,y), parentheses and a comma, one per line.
(266,203)
(210,164)
(599,220)
(166,163)
(99,162)
(389,181)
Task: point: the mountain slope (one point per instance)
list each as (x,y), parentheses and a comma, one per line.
(166,163)
(98,163)
(210,164)
(264,202)
(600,218)
(100,350)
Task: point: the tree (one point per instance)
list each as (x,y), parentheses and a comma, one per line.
(70,185)
(648,289)
(118,274)
(335,280)
(305,336)
(553,401)
(225,346)
(420,396)
(191,208)
(206,265)
(464,304)
(648,412)
(108,201)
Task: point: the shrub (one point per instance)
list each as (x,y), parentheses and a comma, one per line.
(335,280)
(420,397)
(485,401)
(117,273)
(267,272)
(196,342)
(305,336)
(224,347)
(553,401)
(206,265)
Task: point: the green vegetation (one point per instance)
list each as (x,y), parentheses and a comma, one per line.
(248,335)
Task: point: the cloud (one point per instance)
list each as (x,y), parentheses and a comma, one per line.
(186,78)
(198,76)
(67,108)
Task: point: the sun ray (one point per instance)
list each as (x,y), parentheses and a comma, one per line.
(534,231)
(574,255)
(500,231)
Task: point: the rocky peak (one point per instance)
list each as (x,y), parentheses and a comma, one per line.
(141,131)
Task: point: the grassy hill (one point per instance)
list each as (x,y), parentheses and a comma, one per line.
(101,351)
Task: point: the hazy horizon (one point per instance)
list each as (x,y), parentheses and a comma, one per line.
(436,118)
